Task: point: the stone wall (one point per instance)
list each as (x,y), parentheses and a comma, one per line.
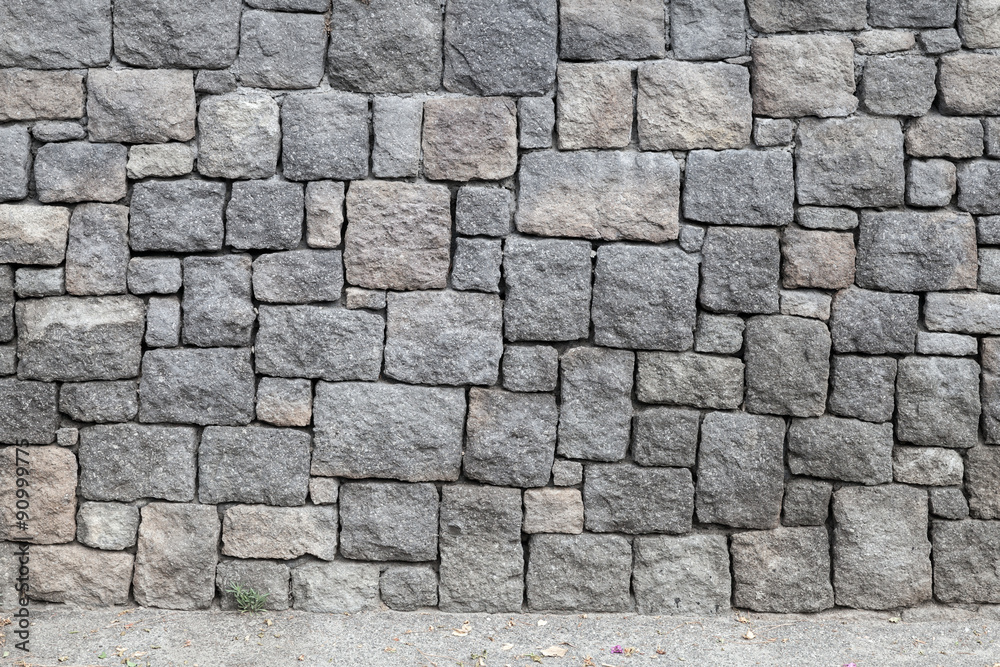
(501,305)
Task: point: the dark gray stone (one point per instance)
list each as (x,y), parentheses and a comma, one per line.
(239,136)
(740,470)
(753,188)
(692,238)
(253,465)
(80,171)
(30,283)
(949,503)
(265,215)
(264,577)
(510,437)
(110,526)
(15,162)
(324,135)
(881,554)
(298,276)
(140,106)
(163,322)
(722,334)
(393,431)
(126,462)
(816,217)
(281,50)
(769,132)
(595,414)
(27,412)
(850,162)
(937,401)
(197,386)
(79,338)
(217,306)
(172,33)
(683,575)
(388,521)
(711,30)
(388,47)
(55,35)
(806,502)
(791,15)
(740,270)
(573,572)
(500,48)
(787,363)
(625,498)
(319,342)
(899,85)
(963,312)
(665,437)
(476,265)
(977,187)
(97,253)
(990,388)
(943,40)
(482,560)
(842,449)
(483,210)
(912,13)
(409,587)
(698,380)
(99,401)
(567,473)
(785,570)
(443,337)
(874,322)
(863,387)
(611,30)
(982,482)
(530,368)
(215,82)
(154,275)
(548,289)
(536,116)
(396,123)
(177,216)
(176,557)
(964,556)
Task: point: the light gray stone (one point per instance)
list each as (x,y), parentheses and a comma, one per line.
(698,380)
(339,587)
(572,572)
(942,40)
(927,466)
(567,473)
(359,297)
(753,188)
(324,213)
(215,82)
(625,498)
(140,106)
(469,138)
(842,449)
(324,490)
(476,265)
(790,15)
(964,553)
(34,94)
(388,521)
(217,306)
(263,577)
(782,570)
(409,587)
(253,465)
(982,481)
(806,303)
(283,533)
(937,401)
(806,502)
(166,33)
(863,387)
(908,14)
(536,116)
(74,574)
(949,503)
(15,162)
(711,30)
(177,216)
(665,436)
(787,365)
(238,136)
(977,185)
(979,24)
(396,149)
(874,322)
(284,401)
(930,183)
(97,253)
(319,6)
(265,215)
(595,413)
(530,368)
(109,526)
(945,344)
(611,29)
(899,85)
(682,575)
(943,136)
(99,401)
(773,131)
(988,229)
(803,75)
(80,171)
(876,42)
(298,276)
(57,130)
(594,105)
(816,217)
(28,411)
(965,312)
(968,84)
(722,334)
(173,159)
(817,259)
(324,135)
(740,270)
(56,35)
(989,270)
(483,211)
(281,50)
(550,510)
(154,275)
(30,283)
(67,436)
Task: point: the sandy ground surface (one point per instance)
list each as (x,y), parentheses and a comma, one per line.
(66,637)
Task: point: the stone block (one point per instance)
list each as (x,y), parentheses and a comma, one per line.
(817,259)
(324,202)
(611,30)
(927,466)
(752,188)
(97,254)
(470,138)
(482,560)
(340,587)
(359,297)
(36,94)
(500,48)
(167,33)
(843,449)
(443,337)
(803,75)
(982,481)
(806,502)
(172,159)
(284,402)
(548,289)
(567,473)
(941,40)
(682,574)
(392,431)
(692,238)
(8,359)
(388,521)
(15,153)
(74,574)
(552,510)
(34,283)
(324,135)
(238,136)
(989,271)
(197,386)
(140,106)
(610,195)
(782,570)
(968,84)
(99,401)
(298,276)
(595,105)
(773,132)
(536,116)
(990,389)
(988,229)
(899,85)
(644,297)
(396,148)
(625,498)
(79,338)
(7,287)
(324,490)
(253,465)
(977,184)
(56,35)
(907,14)
(177,554)
(806,303)
(67,436)
(711,30)
(510,437)
(319,342)
(484,211)
(817,217)
(863,387)
(33,234)
(217,306)
(568,573)
(722,334)
(265,215)
(281,50)
(687,378)
(409,587)
(109,526)
(57,130)
(937,402)
(965,312)
(177,216)
(944,136)
(685,106)
(215,82)
(52,483)
(874,322)
(979,24)
(877,42)
(264,577)
(740,270)
(80,171)
(282,533)
(740,470)
(948,503)
(945,344)
(154,275)
(881,554)
(163,322)
(991,136)
(930,183)
(595,412)
(791,15)
(665,436)
(389,47)
(964,552)
(477,265)
(398,235)
(530,368)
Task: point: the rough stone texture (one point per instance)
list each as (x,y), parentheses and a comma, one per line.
(773,131)
(568,572)
(77,575)
(990,389)
(752,188)
(192,386)
(29,412)
(707,30)
(930,183)
(624,498)
(324,135)
(941,136)
(177,216)
(919,14)
(97,252)
(409,587)
(316,275)
(682,575)
(177,554)
(665,436)
(80,171)
(238,136)
(477,265)
(253,465)
(163,322)
(722,334)
(874,322)
(977,181)
(964,553)
(536,116)
(787,363)
(817,259)
(165,33)
(99,401)
(946,344)
(967,84)
(899,85)
(109,526)
(388,521)
(816,217)
(392,431)
(340,587)
(33,234)
(551,510)
(567,473)
(396,149)
(949,503)
(740,270)
(264,577)
(862,387)
(483,211)
(398,236)
(806,303)
(596,408)
(154,275)
(611,29)
(787,15)
(530,368)
(595,105)
(500,48)
(942,40)
(140,106)
(965,312)
(215,82)
(685,106)
(55,130)
(52,482)
(979,24)
(782,570)
(217,306)
(740,470)
(359,297)
(875,42)
(881,554)
(260,531)
(324,203)
(284,402)
(698,380)
(15,145)
(927,466)
(842,449)
(806,502)
(803,75)
(39,282)
(470,138)
(281,50)
(982,472)
(264,215)
(56,35)
(937,401)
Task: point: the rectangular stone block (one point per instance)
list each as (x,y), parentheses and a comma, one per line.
(56,35)
(943,136)
(806,502)
(264,577)
(298,276)
(708,30)
(173,159)
(665,436)
(28,412)
(927,466)
(253,465)
(281,50)
(99,401)
(15,168)
(844,449)
(396,123)
(782,570)
(265,215)
(794,15)
(968,84)
(217,306)
(388,521)
(109,526)
(863,387)
(80,171)
(471,138)
(238,136)
(937,402)
(625,498)
(963,553)
(33,234)
(154,275)
(74,574)
(874,322)
(740,270)
(324,135)
(163,322)
(682,575)
(550,510)
(164,33)
(37,94)
(824,260)
(698,380)
(536,116)
(803,75)
(787,362)
(281,533)
(611,30)
(568,573)
(140,106)
(596,408)
(97,254)
(594,105)
(510,437)
(52,494)
(177,216)
(324,203)
(752,188)
(197,386)
(285,402)
(338,587)
(905,13)
(965,312)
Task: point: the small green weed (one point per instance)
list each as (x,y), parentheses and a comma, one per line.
(248,601)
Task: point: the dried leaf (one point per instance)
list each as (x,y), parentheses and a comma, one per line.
(554,652)
(541,622)
(464,630)
(506,647)
(749,634)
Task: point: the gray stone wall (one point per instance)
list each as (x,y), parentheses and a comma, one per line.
(600,306)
